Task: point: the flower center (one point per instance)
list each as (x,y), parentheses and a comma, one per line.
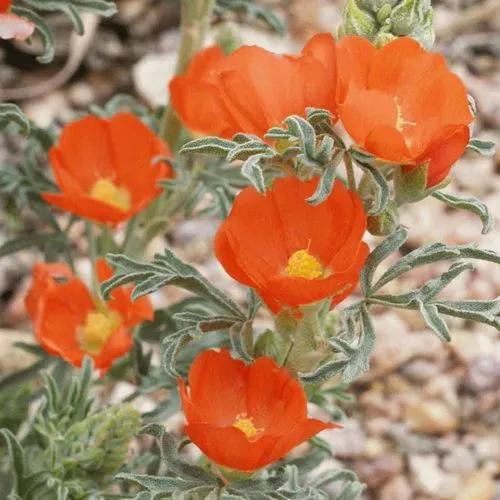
(303,265)
(108,192)
(400,121)
(245,425)
(98,327)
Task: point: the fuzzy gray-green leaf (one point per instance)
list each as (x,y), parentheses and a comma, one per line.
(484,148)
(11,113)
(209,145)
(470,204)
(392,243)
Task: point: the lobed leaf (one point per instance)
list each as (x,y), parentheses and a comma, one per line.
(209,145)
(325,183)
(471,204)
(381,189)
(253,172)
(434,321)
(433,253)
(42,28)
(392,243)
(11,113)
(484,148)
(166,269)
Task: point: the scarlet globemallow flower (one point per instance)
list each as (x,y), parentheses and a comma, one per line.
(71,323)
(252,89)
(245,417)
(293,253)
(106,169)
(402,104)
(12,25)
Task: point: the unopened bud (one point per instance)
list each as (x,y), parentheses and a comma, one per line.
(381,21)
(414,18)
(100,442)
(229,37)
(411,184)
(386,222)
(358,21)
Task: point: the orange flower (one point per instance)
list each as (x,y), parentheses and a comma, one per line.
(104,168)
(69,322)
(403,104)
(245,417)
(12,25)
(252,89)
(291,252)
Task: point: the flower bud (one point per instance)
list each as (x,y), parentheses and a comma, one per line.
(99,443)
(381,21)
(414,18)
(229,37)
(411,185)
(358,21)
(386,222)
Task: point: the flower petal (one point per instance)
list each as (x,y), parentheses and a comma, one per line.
(15,27)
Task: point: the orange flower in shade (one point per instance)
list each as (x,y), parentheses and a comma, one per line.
(245,417)
(69,322)
(403,104)
(252,89)
(13,26)
(105,168)
(291,252)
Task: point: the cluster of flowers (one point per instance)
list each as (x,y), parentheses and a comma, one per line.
(400,103)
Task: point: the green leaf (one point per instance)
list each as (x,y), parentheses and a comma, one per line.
(392,243)
(11,113)
(484,148)
(278,133)
(432,253)
(209,145)
(306,135)
(166,269)
(253,172)
(172,345)
(21,376)
(104,8)
(434,321)
(57,240)
(170,456)
(482,311)
(316,115)
(435,286)
(241,337)
(252,10)
(471,205)
(43,30)
(359,360)
(16,454)
(381,190)
(156,484)
(324,372)
(325,186)
(249,149)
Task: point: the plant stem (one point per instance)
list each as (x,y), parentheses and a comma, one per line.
(132,225)
(92,242)
(195,21)
(351,180)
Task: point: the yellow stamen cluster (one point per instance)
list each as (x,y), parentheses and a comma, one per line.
(303,265)
(400,121)
(99,325)
(245,425)
(108,192)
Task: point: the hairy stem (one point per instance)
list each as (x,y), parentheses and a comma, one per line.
(195,21)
